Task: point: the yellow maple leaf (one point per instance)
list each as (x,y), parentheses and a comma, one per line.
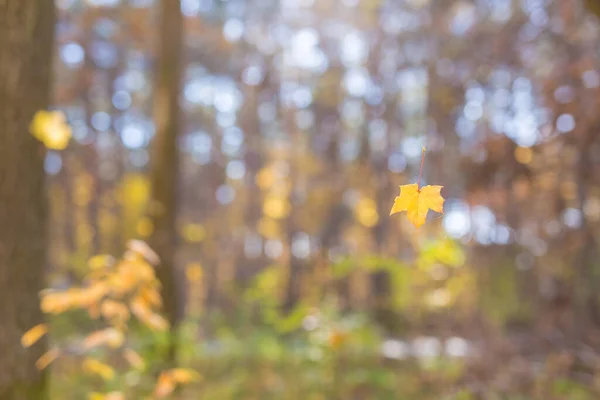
(418,201)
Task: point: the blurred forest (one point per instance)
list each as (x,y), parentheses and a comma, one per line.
(257,148)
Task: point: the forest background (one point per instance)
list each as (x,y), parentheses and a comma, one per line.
(203,189)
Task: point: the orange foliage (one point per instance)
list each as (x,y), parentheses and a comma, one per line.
(114,290)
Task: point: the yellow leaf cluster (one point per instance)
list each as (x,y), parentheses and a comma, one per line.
(115,290)
(108,290)
(51,128)
(114,311)
(74,298)
(141,308)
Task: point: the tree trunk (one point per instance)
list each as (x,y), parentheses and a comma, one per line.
(26,43)
(593,6)
(165,158)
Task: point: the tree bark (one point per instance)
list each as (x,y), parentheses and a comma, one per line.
(165,157)
(593,6)
(26,43)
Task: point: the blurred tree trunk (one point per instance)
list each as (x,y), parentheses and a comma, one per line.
(26,43)
(165,158)
(593,6)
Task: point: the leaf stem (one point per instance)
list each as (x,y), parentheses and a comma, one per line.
(421,169)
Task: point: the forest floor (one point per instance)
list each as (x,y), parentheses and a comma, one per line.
(255,365)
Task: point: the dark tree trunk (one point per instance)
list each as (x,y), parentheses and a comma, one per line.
(165,157)
(26,43)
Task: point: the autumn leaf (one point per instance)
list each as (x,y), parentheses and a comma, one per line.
(193,272)
(96,367)
(165,385)
(47,358)
(114,310)
(101,261)
(418,201)
(134,359)
(184,375)
(151,296)
(168,380)
(143,312)
(33,335)
(107,396)
(109,336)
(51,128)
(141,248)
(336,339)
(366,212)
(55,303)
(193,233)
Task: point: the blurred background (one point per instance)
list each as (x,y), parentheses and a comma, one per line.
(276,134)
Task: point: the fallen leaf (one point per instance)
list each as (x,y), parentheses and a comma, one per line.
(418,201)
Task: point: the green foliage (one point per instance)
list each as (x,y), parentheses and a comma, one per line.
(313,350)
